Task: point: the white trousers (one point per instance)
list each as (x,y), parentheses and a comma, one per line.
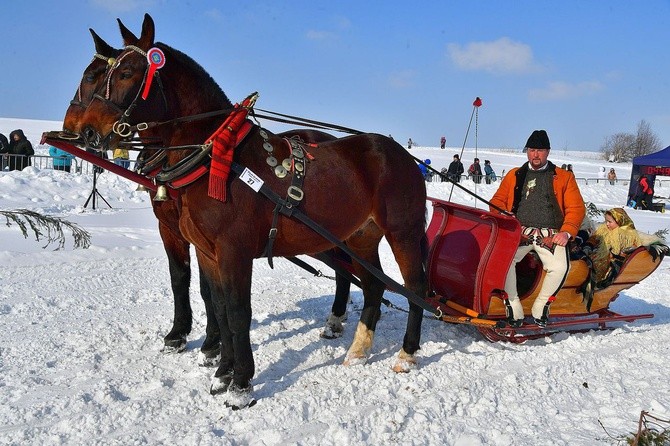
(556,264)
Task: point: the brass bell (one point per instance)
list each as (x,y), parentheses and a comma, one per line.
(141,188)
(161,193)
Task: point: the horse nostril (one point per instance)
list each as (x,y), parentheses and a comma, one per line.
(91,137)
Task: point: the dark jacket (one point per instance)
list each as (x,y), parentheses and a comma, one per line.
(4,144)
(455,170)
(19,147)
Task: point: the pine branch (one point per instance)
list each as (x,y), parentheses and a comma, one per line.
(661,233)
(46,227)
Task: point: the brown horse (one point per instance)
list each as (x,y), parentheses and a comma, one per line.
(177,248)
(361,188)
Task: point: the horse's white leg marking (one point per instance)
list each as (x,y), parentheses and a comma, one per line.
(405,362)
(361,346)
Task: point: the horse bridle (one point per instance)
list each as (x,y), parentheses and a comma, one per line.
(121,127)
(79,102)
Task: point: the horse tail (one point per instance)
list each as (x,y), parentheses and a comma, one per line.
(424,253)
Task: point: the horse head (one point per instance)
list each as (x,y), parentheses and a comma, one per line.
(103,58)
(150,82)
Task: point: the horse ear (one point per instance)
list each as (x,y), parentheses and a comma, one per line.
(102,47)
(148,33)
(128,37)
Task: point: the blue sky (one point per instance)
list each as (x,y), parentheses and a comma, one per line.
(582,70)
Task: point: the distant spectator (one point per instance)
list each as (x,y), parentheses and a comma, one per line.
(21,149)
(410,143)
(564,166)
(569,169)
(121,157)
(488,171)
(427,174)
(455,169)
(601,172)
(62,160)
(612,176)
(443,142)
(475,171)
(644,194)
(4,150)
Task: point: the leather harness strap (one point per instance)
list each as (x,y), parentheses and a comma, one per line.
(295,193)
(302,217)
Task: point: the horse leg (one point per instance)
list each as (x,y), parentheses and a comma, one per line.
(224,373)
(210,351)
(177,250)
(338,312)
(411,256)
(365,243)
(217,321)
(232,304)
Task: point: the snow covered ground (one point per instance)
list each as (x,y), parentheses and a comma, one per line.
(81,335)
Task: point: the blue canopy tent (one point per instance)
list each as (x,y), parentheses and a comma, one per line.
(657,163)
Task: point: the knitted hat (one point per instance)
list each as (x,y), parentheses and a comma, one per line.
(538,140)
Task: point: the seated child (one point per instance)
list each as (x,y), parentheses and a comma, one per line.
(609,245)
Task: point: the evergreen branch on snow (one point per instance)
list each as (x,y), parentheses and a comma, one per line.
(661,233)
(47,227)
(592,210)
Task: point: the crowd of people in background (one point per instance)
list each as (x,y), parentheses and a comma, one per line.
(641,196)
(15,151)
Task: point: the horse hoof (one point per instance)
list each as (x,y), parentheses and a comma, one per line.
(330,333)
(174,345)
(355,360)
(211,343)
(209,358)
(333,328)
(405,363)
(239,398)
(220,384)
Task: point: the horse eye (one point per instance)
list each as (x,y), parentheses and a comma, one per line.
(126,74)
(90,78)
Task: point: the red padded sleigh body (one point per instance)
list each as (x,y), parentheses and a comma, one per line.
(470,253)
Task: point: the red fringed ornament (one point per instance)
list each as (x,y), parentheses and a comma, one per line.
(478,102)
(224,141)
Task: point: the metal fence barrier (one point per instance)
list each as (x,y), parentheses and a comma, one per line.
(46,162)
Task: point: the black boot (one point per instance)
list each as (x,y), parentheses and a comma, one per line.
(542,322)
(514,323)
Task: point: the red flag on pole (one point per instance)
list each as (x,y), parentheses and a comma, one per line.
(478,102)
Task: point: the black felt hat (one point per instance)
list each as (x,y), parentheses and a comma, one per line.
(538,140)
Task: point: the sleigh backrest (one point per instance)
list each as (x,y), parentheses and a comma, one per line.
(470,253)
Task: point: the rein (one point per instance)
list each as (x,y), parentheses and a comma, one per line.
(463,188)
(279,117)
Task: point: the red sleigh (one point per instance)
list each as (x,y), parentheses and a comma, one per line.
(470,253)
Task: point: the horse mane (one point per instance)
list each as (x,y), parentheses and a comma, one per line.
(215,93)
